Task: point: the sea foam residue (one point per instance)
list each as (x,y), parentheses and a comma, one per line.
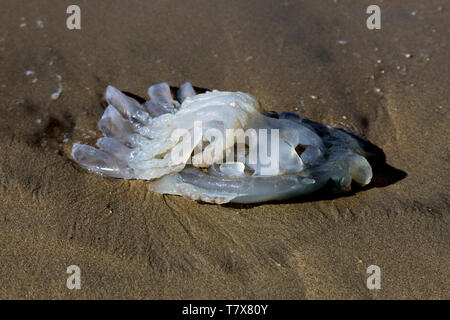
(55,95)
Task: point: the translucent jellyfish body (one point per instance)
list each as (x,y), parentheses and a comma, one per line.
(220,147)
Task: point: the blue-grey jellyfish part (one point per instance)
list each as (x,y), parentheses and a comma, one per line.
(116,149)
(100,162)
(185,91)
(160,93)
(236,169)
(113,125)
(155,109)
(195,184)
(342,164)
(293,132)
(128,107)
(141,140)
(311,155)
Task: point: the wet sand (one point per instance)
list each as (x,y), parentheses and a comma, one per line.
(313,57)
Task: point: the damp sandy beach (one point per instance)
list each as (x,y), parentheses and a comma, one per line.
(317,58)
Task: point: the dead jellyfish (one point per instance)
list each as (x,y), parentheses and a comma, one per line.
(220,147)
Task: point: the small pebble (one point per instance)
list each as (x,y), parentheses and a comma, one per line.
(314,97)
(408,56)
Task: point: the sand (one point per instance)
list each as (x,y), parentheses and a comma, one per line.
(314,57)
